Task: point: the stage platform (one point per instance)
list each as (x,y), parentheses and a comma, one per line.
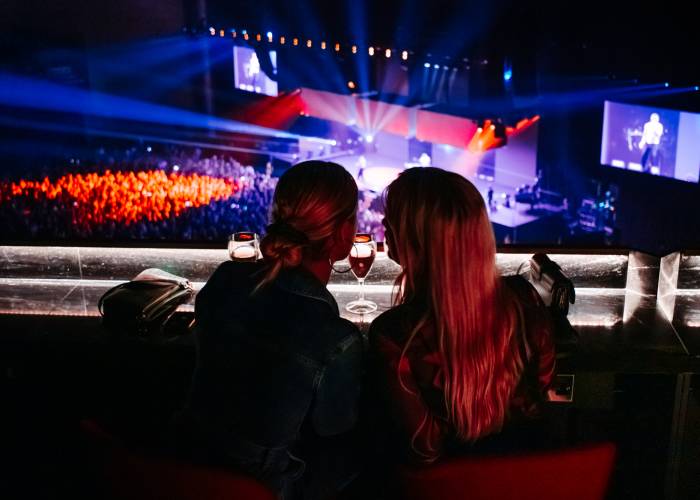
(381,169)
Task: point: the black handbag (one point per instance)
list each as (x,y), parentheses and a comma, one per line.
(144,304)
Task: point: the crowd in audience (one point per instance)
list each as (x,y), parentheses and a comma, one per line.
(143,194)
(171,195)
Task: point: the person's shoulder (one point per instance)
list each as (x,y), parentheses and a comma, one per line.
(393,324)
(233,273)
(230,278)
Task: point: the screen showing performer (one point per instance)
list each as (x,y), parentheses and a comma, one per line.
(253,74)
(654,141)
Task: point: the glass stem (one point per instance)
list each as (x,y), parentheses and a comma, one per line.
(362,289)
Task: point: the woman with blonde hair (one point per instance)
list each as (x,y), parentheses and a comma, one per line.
(278,370)
(466,353)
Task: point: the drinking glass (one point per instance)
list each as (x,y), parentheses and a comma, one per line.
(362,254)
(244,246)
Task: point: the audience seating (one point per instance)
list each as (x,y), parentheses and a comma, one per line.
(124,473)
(572,474)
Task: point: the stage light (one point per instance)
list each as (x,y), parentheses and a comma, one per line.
(212,31)
(269,36)
(323,45)
(445,68)
(234,34)
(334,142)
(354,49)
(258,37)
(666,84)
(508,75)
(309,43)
(369,138)
(371,51)
(493,127)
(426,65)
(387,53)
(282,40)
(697,88)
(337,47)
(176,168)
(436,66)
(295,41)
(245,35)
(149,149)
(222,33)
(351,84)
(404,55)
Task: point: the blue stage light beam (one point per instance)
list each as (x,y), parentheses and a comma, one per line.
(96,132)
(23,92)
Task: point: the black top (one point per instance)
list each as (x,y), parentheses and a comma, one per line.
(269,364)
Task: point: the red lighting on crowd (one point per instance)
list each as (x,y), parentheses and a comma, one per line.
(125,197)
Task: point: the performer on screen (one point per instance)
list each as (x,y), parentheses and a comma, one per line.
(651,137)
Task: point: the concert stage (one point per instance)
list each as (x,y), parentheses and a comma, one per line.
(519,222)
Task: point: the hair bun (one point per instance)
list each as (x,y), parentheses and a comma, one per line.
(284,244)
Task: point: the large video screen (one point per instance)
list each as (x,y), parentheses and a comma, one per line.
(250,73)
(650,140)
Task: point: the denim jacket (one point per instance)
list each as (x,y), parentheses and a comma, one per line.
(271,366)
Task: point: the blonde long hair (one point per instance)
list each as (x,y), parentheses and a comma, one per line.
(440,233)
(312,199)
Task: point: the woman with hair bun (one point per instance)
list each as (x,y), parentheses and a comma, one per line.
(278,370)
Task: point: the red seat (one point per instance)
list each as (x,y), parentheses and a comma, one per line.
(135,476)
(573,474)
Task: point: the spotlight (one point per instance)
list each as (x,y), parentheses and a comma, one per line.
(176,168)
(282,40)
(426,65)
(354,49)
(666,84)
(351,84)
(245,35)
(309,43)
(337,47)
(323,45)
(404,55)
(149,149)
(295,41)
(269,36)
(436,66)
(371,51)
(212,31)
(258,37)
(387,53)
(222,33)
(697,87)
(334,142)
(234,34)
(508,75)
(479,130)
(369,138)
(493,127)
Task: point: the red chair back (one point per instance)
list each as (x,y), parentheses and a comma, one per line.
(573,474)
(130,475)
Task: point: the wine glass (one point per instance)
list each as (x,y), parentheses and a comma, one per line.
(362,254)
(244,247)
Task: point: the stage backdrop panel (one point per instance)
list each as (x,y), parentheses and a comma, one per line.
(444,129)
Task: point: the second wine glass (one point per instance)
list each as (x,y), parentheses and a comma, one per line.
(362,254)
